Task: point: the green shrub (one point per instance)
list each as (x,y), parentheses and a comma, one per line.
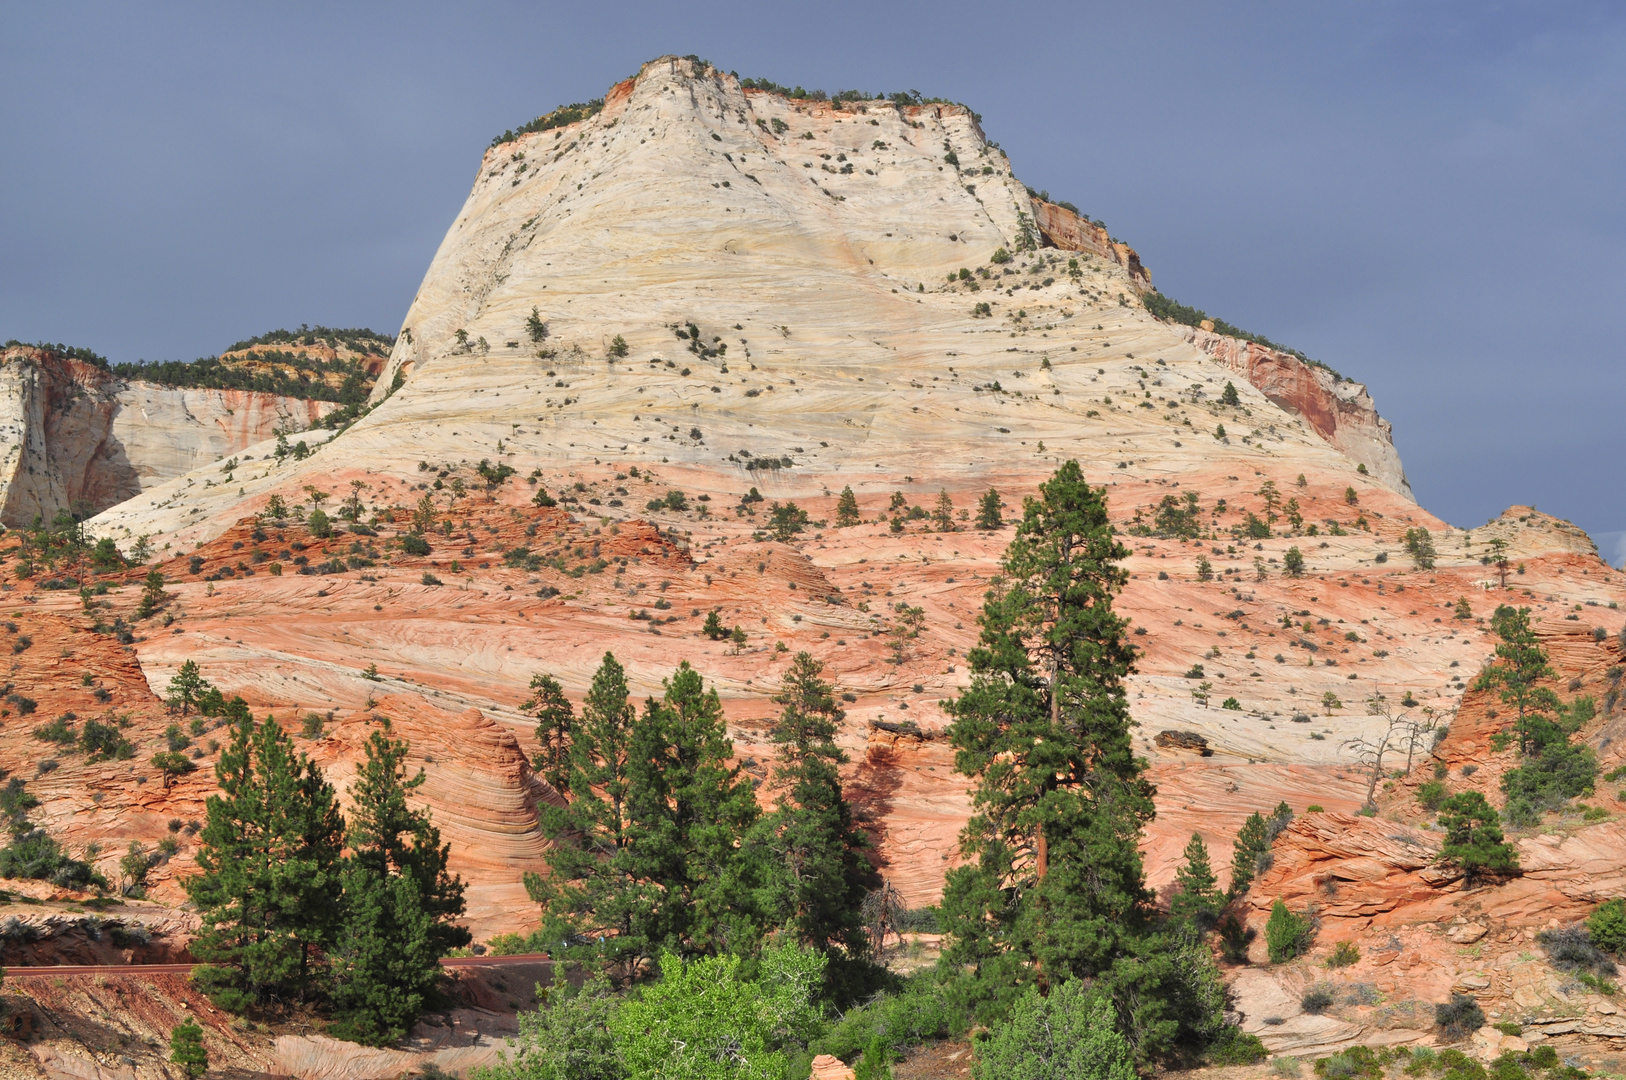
(1287,935)
(414,544)
(1316,1000)
(1606,927)
(1547,780)
(1431,794)
(1458,1017)
(1357,1061)
(1344,954)
(1235,1047)
(921,1013)
(1069,1035)
(703,1019)
(566,1038)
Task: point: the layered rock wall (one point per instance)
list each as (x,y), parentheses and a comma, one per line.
(1339,410)
(72,436)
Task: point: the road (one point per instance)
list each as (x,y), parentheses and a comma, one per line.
(454,962)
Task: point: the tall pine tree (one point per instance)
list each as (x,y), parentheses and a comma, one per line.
(689,811)
(555,727)
(821,871)
(1197,896)
(585,896)
(1054,886)
(399,901)
(269,886)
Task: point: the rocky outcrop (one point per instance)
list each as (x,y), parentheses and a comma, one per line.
(480,790)
(1062,228)
(72,436)
(1339,410)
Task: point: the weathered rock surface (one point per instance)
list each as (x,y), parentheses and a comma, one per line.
(74,437)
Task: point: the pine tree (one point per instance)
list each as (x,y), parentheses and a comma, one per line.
(988,511)
(398,902)
(1229,396)
(186,686)
(821,873)
(714,628)
(688,812)
(847,508)
(944,514)
(186,1049)
(1250,844)
(268,889)
(555,728)
(152,594)
(1054,879)
(1197,896)
(1520,668)
(584,892)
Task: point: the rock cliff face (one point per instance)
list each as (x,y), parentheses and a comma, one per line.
(1339,410)
(74,437)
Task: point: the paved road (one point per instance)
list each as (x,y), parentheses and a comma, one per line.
(186,969)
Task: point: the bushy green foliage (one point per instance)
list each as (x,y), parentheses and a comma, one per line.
(1070,1034)
(706,1021)
(1431,793)
(1356,1063)
(1473,841)
(1178,517)
(1236,1047)
(1420,546)
(1606,926)
(924,1009)
(567,1038)
(1287,934)
(1547,781)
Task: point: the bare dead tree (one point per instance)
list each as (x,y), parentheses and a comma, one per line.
(880,911)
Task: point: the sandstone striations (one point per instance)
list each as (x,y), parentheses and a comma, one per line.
(702,303)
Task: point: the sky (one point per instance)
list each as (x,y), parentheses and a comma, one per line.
(1426,196)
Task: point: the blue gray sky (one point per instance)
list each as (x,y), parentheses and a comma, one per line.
(1427,196)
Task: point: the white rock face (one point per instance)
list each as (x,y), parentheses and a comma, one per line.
(74,437)
(811,249)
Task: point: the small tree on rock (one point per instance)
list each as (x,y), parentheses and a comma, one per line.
(988,516)
(186,1049)
(847,508)
(1473,840)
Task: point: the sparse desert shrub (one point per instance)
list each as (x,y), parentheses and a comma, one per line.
(1343,955)
(1571,949)
(1317,1000)
(1458,1017)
